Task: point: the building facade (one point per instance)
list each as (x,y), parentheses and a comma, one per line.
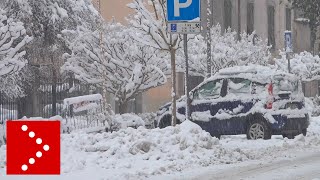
(268,18)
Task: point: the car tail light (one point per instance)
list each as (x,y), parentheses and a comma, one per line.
(270,89)
(270,97)
(269,105)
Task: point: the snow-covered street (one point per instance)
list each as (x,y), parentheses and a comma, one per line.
(305,166)
(184,152)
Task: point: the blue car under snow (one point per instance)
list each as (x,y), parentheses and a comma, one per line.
(257,101)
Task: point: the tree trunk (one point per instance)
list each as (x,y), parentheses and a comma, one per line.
(123,107)
(208,39)
(174,88)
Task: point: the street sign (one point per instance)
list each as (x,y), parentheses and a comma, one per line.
(183,10)
(184,28)
(288,41)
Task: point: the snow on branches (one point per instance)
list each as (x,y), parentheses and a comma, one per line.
(150,23)
(226,51)
(118,64)
(13,38)
(304,65)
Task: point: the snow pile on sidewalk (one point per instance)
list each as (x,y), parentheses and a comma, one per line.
(133,153)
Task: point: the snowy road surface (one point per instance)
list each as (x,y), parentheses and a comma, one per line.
(306,167)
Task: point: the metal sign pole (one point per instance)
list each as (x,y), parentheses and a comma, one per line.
(289,65)
(184,18)
(187,89)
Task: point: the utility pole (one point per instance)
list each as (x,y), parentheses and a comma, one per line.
(187,87)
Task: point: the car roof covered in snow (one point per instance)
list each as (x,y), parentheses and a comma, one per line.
(255,73)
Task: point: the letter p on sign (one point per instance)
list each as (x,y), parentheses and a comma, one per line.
(178,6)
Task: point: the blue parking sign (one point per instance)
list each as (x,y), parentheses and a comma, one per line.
(173,27)
(288,41)
(183,10)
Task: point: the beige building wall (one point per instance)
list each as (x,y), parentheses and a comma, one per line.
(114,9)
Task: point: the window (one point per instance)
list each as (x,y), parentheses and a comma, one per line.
(227,14)
(288,19)
(210,90)
(271,29)
(239,86)
(282,84)
(250,18)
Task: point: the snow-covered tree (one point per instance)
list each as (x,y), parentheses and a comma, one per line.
(13,39)
(150,23)
(44,20)
(118,64)
(304,65)
(226,51)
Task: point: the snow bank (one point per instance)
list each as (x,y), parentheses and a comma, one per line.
(126,120)
(135,153)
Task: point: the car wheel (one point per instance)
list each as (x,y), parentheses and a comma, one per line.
(165,121)
(258,129)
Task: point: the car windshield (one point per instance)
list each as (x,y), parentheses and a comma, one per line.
(211,89)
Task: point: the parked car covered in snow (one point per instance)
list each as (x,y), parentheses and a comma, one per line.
(254,100)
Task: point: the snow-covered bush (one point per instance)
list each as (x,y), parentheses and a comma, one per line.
(149,119)
(226,51)
(313,105)
(304,65)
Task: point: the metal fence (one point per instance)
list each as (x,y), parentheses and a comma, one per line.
(8,109)
(40,102)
